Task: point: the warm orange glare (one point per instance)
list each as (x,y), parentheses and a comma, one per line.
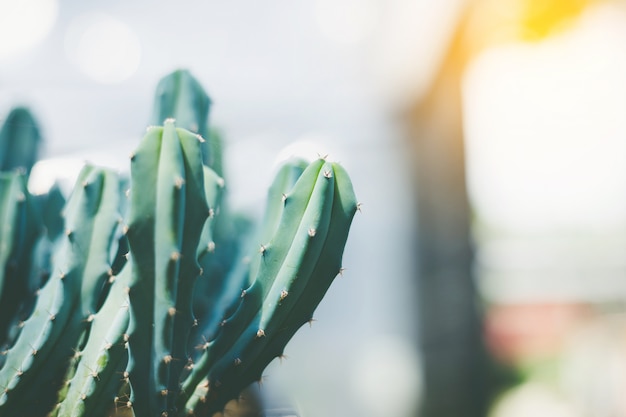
(493,22)
(540,18)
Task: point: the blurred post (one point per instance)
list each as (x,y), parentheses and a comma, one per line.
(450,330)
(455,361)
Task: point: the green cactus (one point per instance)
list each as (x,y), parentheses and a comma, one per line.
(29,267)
(81,266)
(114,329)
(97,374)
(181,97)
(20,229)
(19,141)
(301,254)
(218,290)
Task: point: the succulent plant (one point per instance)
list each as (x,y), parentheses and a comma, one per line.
(19,141)
(115,327)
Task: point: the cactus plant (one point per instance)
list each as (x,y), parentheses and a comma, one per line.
(113,330)
(19,141)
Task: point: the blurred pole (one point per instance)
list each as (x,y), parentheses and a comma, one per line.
(457,367)
(450,330)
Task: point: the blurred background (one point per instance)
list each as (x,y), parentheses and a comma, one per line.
(486,139)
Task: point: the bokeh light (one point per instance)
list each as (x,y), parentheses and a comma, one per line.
(104,48)
(24,24)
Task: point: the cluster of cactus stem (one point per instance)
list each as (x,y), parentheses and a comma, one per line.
(131,297)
